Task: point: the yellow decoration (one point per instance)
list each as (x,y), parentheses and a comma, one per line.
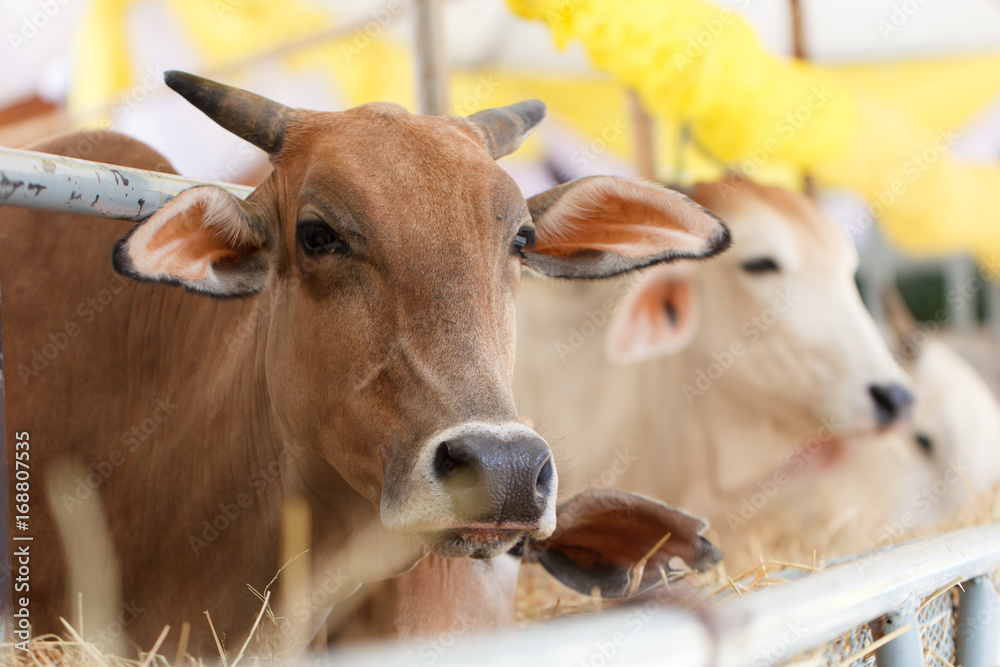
(695,63)
(223,31)
(692,62)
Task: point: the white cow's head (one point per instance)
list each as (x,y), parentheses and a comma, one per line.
(775,331)
(956,417)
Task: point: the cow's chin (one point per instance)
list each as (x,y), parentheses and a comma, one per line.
(473,542)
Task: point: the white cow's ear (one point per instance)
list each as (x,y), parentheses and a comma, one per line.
(602,226)
(619,542)
(657,318)
(205,239)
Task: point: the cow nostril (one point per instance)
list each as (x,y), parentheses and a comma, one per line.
(543,477)
(453,464)
(891,401)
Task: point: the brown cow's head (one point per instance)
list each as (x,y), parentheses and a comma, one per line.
(392,246)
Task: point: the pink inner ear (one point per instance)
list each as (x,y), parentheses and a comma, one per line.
(627,218)
(188,235)
(656,321)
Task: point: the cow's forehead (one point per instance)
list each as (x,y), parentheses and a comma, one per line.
(765,213)
(382,135)
(388,163)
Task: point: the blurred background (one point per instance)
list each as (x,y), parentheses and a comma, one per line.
(894,128)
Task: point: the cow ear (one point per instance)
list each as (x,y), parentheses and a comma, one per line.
(602,226)
(614,541)
(205,239)
(658,317)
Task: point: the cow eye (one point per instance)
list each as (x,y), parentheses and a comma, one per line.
(525,238)
(760,265)
(318,238)
(926,445)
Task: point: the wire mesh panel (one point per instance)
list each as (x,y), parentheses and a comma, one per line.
(937,627)
(842,651)
(937,630)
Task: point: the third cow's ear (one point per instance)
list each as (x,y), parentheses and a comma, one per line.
(603,226)
(658,317)
(602,536)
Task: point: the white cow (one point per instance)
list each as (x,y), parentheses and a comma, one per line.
(956,418)
(720,386)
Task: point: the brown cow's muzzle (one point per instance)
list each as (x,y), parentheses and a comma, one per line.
(476,490)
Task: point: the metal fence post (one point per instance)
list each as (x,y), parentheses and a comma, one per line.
(432,61)
(906,650)
(959,271)
(977,640)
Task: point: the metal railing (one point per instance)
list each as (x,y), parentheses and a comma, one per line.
(877,604)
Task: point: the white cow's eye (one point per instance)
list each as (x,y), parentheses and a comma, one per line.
(525,238)
(318,238)
(759,265)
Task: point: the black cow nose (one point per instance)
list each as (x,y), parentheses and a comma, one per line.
(494,480)
(891,401)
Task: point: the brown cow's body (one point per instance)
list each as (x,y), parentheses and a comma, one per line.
(151,346)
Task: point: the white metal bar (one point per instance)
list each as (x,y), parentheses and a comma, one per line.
(637,637)
(977,639)
(821,607)
(906,650)
(761,628)
(55,183)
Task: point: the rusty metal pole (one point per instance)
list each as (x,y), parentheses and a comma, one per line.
(798,31)
(431,57)
(800,53)
(645,151)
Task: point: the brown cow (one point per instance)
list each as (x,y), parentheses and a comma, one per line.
(367,368)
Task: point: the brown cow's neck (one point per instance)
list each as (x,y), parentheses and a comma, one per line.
(440,596)
(161,396)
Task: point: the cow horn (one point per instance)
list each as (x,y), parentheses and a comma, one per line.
(506,127)
(252,117)
(901,320)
